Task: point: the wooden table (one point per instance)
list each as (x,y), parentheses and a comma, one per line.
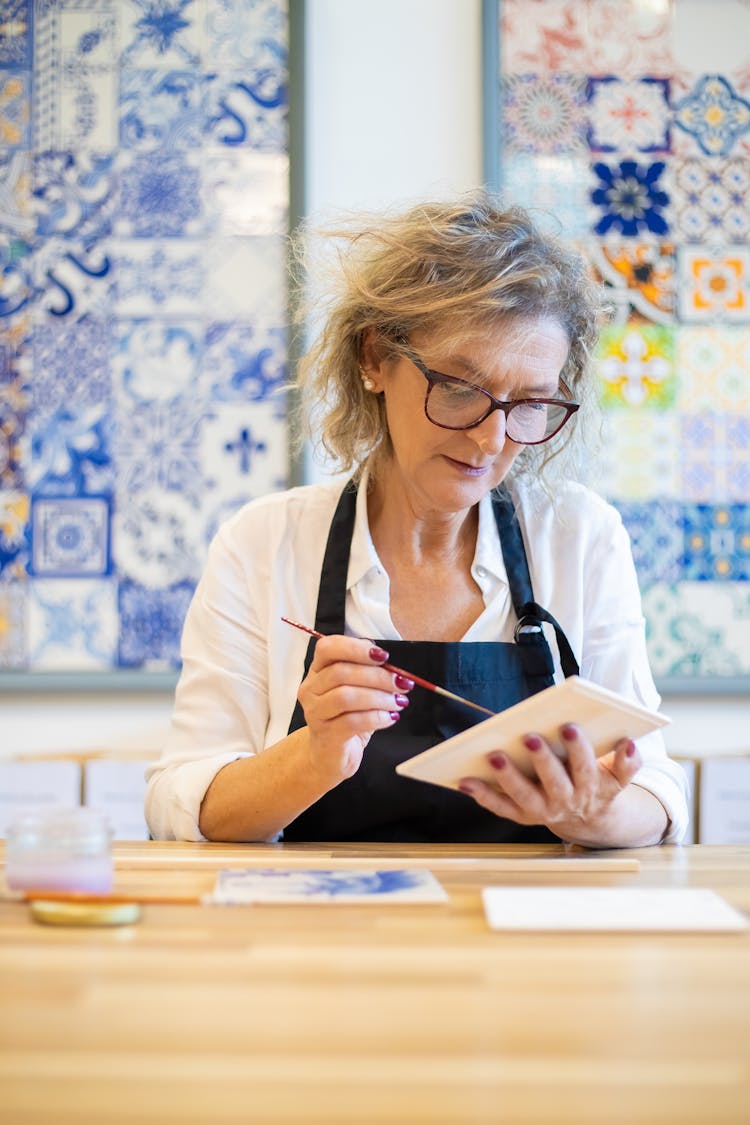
(359,1014)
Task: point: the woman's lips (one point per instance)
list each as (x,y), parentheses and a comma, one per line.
(469,470)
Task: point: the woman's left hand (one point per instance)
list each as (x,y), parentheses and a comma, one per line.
(573,798)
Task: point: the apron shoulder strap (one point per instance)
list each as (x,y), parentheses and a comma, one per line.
(529,613)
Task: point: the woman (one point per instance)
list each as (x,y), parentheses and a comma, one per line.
(449,369)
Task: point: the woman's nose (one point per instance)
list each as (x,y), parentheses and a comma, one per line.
(490,434)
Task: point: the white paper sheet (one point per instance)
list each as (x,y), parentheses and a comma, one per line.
(609,908)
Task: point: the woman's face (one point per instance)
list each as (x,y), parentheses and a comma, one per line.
(450,470)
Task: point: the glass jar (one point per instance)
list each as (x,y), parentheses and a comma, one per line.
(60,850)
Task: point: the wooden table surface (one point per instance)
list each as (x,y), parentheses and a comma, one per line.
(359,1014)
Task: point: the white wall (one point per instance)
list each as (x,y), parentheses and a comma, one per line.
(393,112)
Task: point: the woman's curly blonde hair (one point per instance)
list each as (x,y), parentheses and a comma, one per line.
(437,267)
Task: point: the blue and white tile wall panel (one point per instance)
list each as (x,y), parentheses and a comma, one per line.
(143,339)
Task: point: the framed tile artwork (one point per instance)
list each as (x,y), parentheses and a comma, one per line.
(625,126)
(143,348)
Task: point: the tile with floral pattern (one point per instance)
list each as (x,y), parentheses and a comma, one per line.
(585,36)
(656,538)
(715,456)
(543,113)
(640,277)
(635,366)
(158,278)
(698,630)
(628,115)
(157,537)
(640,458)
(713,365)
(714,116)
(714,283)
(72,625)
(155,33)
(629,198)
(159,196)
(71,452)
(72,366)
(151,624)
(74,195)
(70,536)
(717,542)
(710,200)
(244,362)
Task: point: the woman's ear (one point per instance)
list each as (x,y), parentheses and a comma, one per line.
(371,354)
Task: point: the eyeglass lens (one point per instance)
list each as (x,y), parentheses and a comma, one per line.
(458,407)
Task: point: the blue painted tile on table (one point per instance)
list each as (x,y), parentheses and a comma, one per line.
(71,453)
(713,114)
(717,542)
(151,624)
(629,198)
(16,20)
(70,536)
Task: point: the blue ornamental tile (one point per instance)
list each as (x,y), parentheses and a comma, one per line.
(158,447)
(157,361)
(161,33)
(160,197)
(162,277)
(713,114)
(16,20)
(238,34)
(715,453)
(72,625)
(151,624)
(15,535)
(243,447)
(71,453)
(717,542)
(15,108)
(249,110)
(629,116)
(157,538)
(74,195)
(75,76)
(72,366)
(70,536)
(629,199)
(164,111)
(657,539)
(71,280)
(14,654)
(245,362)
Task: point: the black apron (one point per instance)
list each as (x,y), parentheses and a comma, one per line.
(377,803)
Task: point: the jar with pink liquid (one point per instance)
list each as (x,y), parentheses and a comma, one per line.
(60,850)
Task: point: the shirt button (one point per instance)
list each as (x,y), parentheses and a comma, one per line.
(481,572)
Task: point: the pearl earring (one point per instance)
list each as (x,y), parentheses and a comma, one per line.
(367,382)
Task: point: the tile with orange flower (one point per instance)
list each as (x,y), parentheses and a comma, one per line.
(713,368)
(640,277)
(714,284)
(635,365)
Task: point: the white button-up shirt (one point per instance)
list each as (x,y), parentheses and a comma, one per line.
(242,666)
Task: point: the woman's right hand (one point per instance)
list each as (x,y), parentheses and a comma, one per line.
(346,696)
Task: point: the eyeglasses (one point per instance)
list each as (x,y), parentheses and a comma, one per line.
(454,404)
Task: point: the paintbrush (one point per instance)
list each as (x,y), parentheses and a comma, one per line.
(402,672)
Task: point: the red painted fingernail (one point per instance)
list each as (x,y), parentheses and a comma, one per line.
(378,655)
(403,684)
(532,742)
(499,761)
(569,732)
(466,787)
(401,700)
(395,716)
(630,749)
